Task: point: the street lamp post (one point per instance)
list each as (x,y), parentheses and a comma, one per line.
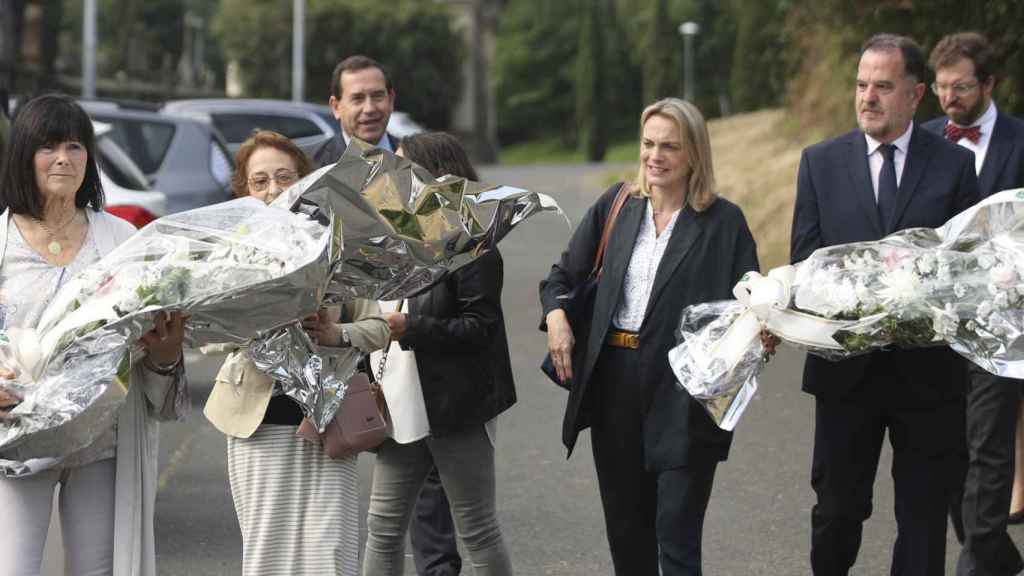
(298,50)
(89,49)
(688,30)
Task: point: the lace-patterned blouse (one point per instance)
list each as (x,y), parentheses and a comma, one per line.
(643,265)
(28,284)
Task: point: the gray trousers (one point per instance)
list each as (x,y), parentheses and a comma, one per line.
(465,462)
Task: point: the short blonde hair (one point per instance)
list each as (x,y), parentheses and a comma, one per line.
(700,189)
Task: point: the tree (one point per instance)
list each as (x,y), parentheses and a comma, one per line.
(591,83)
(535,70)
(413,40)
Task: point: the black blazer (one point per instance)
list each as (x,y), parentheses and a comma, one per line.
(328,151)
(706,255)
(1004,160)
(835,204)
(458,332)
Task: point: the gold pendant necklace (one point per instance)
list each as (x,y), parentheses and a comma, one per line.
(55,247)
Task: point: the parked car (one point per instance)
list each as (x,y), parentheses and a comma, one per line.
(183,157)
(128,193)
(305,123)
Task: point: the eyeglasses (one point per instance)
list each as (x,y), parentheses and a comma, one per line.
(958,89)
(258,182)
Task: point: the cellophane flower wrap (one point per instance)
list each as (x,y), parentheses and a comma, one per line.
(237,269)
(373,225)
(960,285)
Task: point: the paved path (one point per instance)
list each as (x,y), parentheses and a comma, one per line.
(758,520)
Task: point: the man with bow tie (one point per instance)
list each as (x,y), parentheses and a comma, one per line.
(979,506)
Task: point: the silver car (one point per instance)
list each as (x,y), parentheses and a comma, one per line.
(184,158)
(305,123)
(125,188)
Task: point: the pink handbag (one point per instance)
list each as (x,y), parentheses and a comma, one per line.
(359,425)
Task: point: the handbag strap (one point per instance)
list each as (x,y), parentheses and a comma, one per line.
(609,224)
(384,354)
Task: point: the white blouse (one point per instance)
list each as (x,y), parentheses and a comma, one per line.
(643,266)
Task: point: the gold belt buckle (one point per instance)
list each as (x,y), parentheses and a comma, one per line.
(624,340)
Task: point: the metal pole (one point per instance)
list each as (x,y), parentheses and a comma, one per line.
(298,50)
(688,67)
(89,49)
(688,30)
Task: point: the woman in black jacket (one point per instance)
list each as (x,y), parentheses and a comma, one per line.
(457,332)
(674,243)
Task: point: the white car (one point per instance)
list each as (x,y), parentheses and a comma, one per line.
(128,194)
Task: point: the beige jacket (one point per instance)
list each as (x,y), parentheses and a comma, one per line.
(241,392)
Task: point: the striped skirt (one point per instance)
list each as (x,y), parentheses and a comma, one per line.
(298,510)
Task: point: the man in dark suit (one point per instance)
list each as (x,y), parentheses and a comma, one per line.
(964,78)
(363,98)
(886,176)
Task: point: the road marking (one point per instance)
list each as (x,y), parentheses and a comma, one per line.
(177,457)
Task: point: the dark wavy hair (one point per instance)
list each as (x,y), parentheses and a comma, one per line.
(46,119)
(440,153)
(970,45)
(356,63)
(268,139)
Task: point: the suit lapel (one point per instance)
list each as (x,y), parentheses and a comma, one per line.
(860,180)
(999,148)
(919,154)
(686,231)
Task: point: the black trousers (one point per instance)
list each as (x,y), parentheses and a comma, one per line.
(652,518)
(981,501)
(432,533)
(848,439)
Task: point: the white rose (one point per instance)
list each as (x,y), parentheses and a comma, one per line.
(1002,275)
(926,264)
(984,309)
(986,261)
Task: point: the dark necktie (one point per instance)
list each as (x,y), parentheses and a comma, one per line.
(954,133)
(887,186)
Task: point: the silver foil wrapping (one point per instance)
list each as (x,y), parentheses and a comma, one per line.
(238,269)
(960,285)
(403,230)
(315,377)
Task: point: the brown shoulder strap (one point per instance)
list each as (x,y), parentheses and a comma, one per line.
(609,223)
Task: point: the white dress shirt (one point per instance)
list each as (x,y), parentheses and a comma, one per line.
(986,123)
(384,144)
(643,265)
(875,158)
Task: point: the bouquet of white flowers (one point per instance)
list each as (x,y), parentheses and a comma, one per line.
(237,268)
(961,285)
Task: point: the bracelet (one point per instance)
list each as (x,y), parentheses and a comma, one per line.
(161,369)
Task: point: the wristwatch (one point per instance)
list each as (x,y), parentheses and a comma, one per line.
(345,341)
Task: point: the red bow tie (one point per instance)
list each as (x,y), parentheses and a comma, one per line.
(954,133)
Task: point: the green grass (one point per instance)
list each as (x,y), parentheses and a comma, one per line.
(553,151)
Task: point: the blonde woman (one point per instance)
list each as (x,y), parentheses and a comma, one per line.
(674,243)
(298,510)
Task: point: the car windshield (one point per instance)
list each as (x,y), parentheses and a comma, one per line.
(145,141)
(118,166)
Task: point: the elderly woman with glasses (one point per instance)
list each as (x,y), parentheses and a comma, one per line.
(298,509)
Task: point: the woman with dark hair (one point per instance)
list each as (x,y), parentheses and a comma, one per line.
(674,243)
(297,508)
(456,332)
(51,228)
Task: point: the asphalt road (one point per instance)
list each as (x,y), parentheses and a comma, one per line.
(758,519)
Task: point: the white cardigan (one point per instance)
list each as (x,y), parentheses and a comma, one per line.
(163,397)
